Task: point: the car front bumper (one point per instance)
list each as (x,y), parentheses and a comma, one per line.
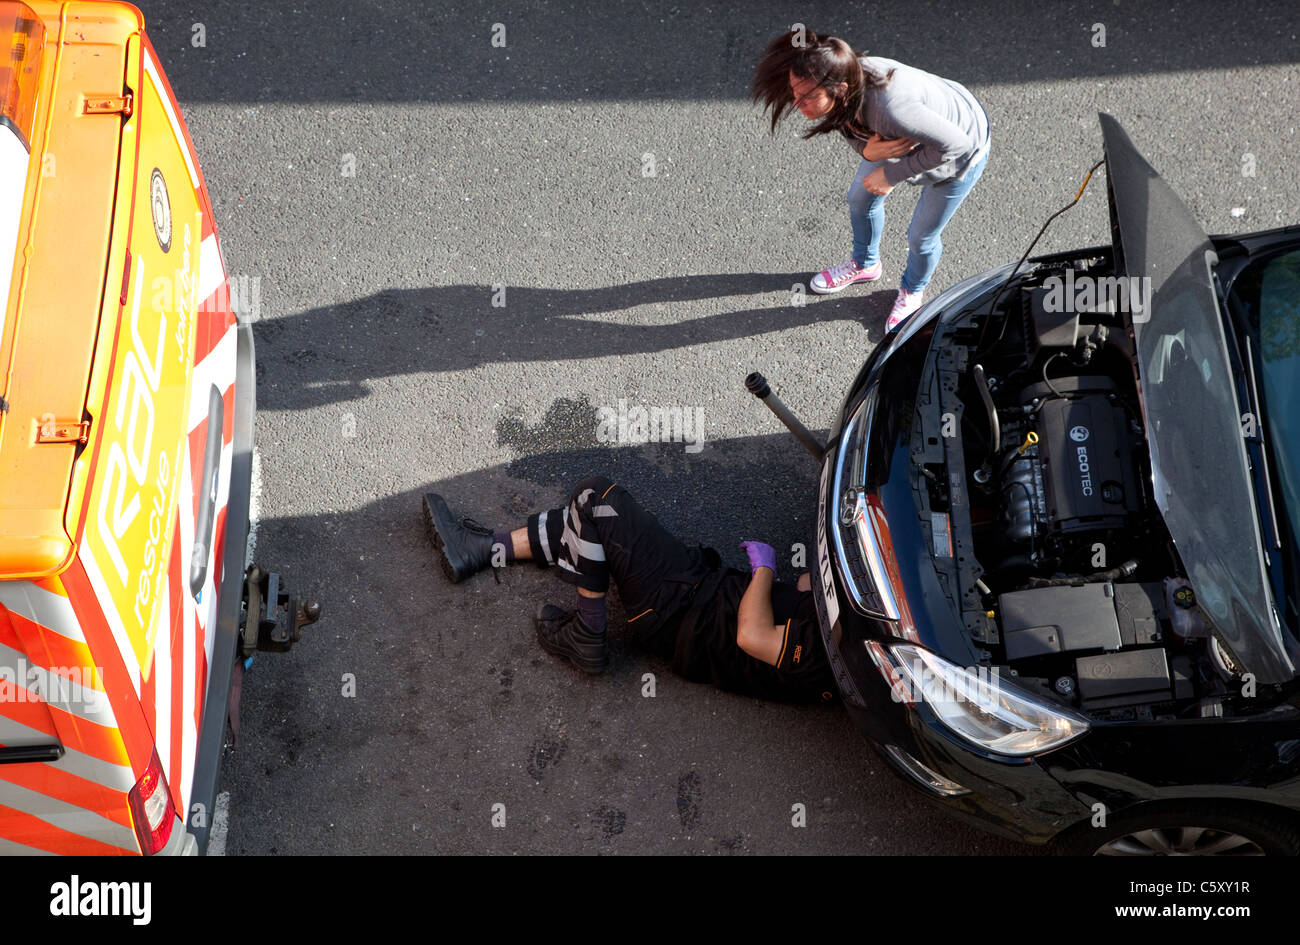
(1015,798)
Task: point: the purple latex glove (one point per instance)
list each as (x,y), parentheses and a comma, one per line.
(760,555)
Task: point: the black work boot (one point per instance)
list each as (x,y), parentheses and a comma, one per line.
(464,546)
(563,633)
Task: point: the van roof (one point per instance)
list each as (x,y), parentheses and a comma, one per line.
(64,187)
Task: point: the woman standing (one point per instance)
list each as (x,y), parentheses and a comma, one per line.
(905,123)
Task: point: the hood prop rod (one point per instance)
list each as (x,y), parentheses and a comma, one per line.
(756,384)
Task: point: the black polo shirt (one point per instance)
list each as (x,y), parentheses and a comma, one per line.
(706,648)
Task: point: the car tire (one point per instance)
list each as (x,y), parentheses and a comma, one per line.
(1169,830)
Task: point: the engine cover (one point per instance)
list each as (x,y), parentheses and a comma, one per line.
(1085,455)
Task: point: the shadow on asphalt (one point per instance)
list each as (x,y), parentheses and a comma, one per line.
(485,713)
(327,355)
(396,51)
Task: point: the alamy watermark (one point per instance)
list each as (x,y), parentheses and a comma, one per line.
(639,424)
(58,685)
(88,898)
(1087,294)
(978,685)
(241,294)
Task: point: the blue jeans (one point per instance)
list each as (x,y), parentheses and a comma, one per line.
(933,211)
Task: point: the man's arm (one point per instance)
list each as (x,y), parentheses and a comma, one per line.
(756,634)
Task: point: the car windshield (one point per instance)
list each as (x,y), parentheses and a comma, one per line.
(1279,353)
(1270,295)
(1200,476)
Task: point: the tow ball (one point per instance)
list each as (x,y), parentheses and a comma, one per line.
(273,619)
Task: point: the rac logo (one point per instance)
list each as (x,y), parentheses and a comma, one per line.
(141,378)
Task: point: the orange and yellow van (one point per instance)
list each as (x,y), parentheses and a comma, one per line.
(126,423)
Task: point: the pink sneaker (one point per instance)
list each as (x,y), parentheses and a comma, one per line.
(843,276)
(904,305)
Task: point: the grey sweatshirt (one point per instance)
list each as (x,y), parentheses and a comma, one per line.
(943,116)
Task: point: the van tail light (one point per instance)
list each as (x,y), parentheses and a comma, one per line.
(152,808)
(22,43)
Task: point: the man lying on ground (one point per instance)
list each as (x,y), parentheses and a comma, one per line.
(743,632)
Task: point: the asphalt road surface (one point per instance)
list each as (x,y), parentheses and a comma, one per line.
(379,172)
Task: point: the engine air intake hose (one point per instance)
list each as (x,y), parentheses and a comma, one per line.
(995,431)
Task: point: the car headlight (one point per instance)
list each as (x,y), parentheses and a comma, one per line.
(982,708)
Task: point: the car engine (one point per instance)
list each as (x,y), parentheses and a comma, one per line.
(1079,476)
(1060,566)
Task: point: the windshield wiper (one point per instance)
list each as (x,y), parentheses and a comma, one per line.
(1252,391)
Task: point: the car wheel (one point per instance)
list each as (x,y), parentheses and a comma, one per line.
(1186,830)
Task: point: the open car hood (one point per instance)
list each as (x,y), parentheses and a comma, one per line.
(1199,469)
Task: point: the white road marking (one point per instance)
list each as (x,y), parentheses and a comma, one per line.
(254,506)
(220,823)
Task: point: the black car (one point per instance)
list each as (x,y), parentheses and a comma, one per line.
(1057,538)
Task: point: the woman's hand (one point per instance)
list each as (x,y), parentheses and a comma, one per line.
(876,183)
(804,583)
(882,149)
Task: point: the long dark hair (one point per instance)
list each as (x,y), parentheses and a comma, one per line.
(828,61)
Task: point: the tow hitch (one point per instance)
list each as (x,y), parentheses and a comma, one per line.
(273,620)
